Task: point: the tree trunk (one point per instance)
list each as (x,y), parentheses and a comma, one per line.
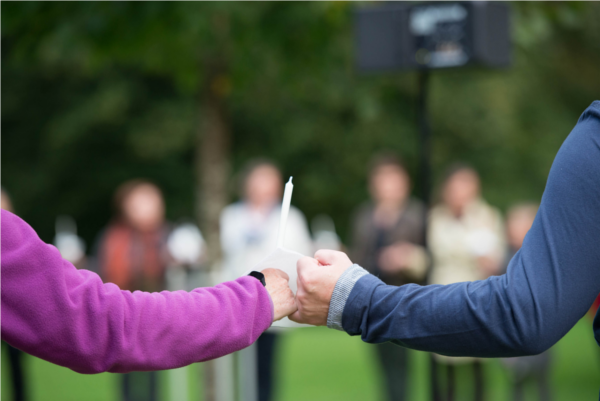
(212,174)
(212,167)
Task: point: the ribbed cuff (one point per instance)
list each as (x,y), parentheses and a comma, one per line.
(340,295)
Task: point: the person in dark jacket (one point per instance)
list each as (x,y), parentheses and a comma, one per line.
(15,356)
(549,285)
(388,237)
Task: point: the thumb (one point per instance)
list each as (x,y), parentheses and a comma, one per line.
(295,317)
(305,264)
(327,256)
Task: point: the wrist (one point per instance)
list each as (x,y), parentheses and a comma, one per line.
(341,292)
(259,276)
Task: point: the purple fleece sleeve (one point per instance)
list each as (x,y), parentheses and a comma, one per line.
(70,318)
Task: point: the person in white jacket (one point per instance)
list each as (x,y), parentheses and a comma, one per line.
(249,233)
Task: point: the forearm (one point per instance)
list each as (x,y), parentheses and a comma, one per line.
(549,286)
(521,313)
(69,317)
(477,318)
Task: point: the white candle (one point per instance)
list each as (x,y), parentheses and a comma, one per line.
(285,210)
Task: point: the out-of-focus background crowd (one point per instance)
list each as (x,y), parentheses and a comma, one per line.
(149,142)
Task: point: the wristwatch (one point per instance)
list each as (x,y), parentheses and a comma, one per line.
(259,276)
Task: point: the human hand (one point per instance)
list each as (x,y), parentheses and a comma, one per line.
(316,280)
(396,257)
(278,287)
(487,266)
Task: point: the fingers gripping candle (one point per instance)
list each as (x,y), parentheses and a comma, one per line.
(285,210)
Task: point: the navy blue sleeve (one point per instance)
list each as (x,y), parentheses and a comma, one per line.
(550,283)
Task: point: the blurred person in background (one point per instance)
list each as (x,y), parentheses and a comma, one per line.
(69,244)
(324,234)
(388,241)
(534,368)
(133,255)
(466,241)
(188,254)
(249,233)
(15,356)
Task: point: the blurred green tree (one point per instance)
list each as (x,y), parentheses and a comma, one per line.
(186,93)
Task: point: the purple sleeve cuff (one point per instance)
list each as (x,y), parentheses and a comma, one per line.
(272,308)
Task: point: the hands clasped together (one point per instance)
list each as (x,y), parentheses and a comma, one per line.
(317,278)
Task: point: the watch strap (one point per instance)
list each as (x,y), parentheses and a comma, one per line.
(259,276)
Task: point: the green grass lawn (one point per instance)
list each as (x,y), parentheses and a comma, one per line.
(321,364)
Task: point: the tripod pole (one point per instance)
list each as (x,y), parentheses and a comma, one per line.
(424,137)
(425,180)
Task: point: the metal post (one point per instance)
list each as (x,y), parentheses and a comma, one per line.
(425,179)
(248,373)
(424,137)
